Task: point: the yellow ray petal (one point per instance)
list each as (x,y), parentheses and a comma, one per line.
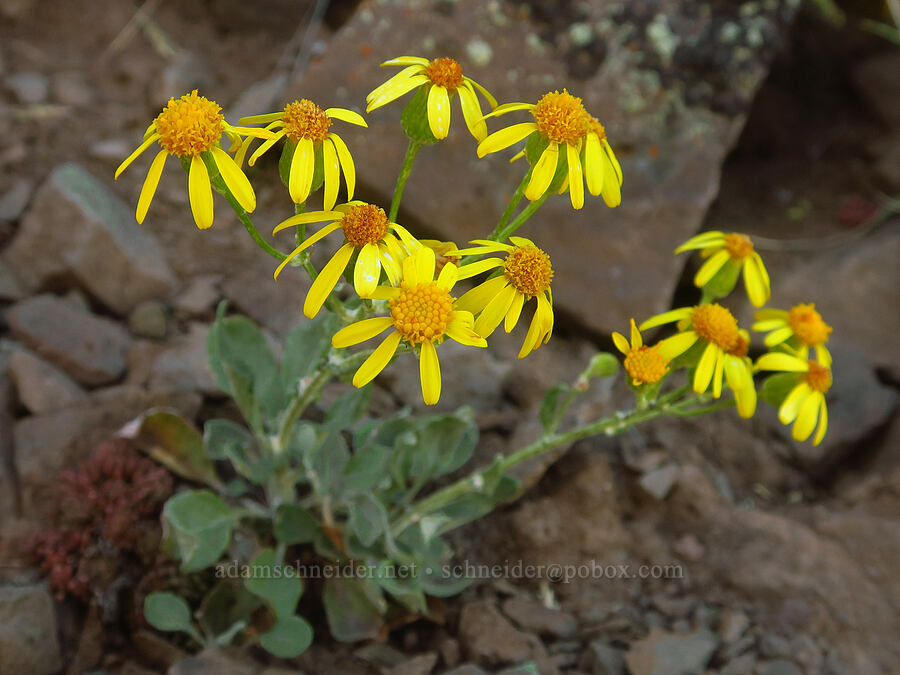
(302,167)
(425,263)
(823,421)
(709,269)
(345,115)
(576,180)
(677,344)
(768,325)
(787,413)
(377,361)
(326,281)
(612,193)
(543,172)
(621,343)
(264,148)
(235,179)
(636,339)
(508,108)
(776,337)
(823,356)
(150,183)
(593,164)
(200,193)
(405,61)
(785,362)
(471,110)
(754,284)
(718,374)
(361,331)
(134,155)
(702,240)
(439,111)
(367,271)
(479,266)
(770,314)
(671,316)
(395,91)
(332,171)
(484,92)
(614,162)
(806,417)
(465,335)
(324,232)
(448,276)
(494,311)
(347,165)
(262,119)
(705,368)
(475,300)
(392,81)
(505,138)
(514,312)
(410,242)
(308,217)
(430,373)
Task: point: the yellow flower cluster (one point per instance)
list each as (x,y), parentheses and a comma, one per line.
(710,342)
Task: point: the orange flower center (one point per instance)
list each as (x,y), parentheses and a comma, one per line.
(645,365)
(807,325)
(421,312)
(597,128)
(741,347)
(364,224)
(818,377)
(716,324)
(190,125)
(738,246)
(528,269)
(445,72)
(561,117)
(304,119)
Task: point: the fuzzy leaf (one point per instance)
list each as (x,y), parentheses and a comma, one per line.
(288,638)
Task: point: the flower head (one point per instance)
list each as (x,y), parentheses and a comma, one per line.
(712,325)
(443,77)
(190,128)
(444,252)
(526,274)
(308,128)
(423,313)
(732,253)
(573,141)
(644,365)
(801,324)
(804,406)
(368,233)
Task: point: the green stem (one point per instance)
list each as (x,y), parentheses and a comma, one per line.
(610,426)
(511,208)
(527,212)
(411,151)
(298,405)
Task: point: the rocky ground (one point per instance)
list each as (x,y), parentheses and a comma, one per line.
(772,557)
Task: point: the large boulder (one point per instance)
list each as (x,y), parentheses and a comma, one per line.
(77,228)
(669,120)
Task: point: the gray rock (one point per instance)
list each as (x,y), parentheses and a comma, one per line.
(28,631)
(732,625)
(663,653)
(198,299)
(15,199)
(659,482)
(214,661)
(671,150)
(778,667)
(275,305)
(148,320)
(466,669)
(105,251)
(380,654)
(28,88)
(745,664)
(876,80)
(10,288)
(72,89)
(605,659)
(184,72)
(422,664)
(40,386)
(111,149)
(184,366)
(488,637)
(887,166)
(89,348)
(535,618)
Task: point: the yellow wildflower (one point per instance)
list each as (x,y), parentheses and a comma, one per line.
(739,375)
(368,233)
(645,365)
(560,120)
(190,128)
(423,313)
(527,273)
(802,322)
(307,126)
(443,77)
(805,404)
(721,249)
(712,325)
